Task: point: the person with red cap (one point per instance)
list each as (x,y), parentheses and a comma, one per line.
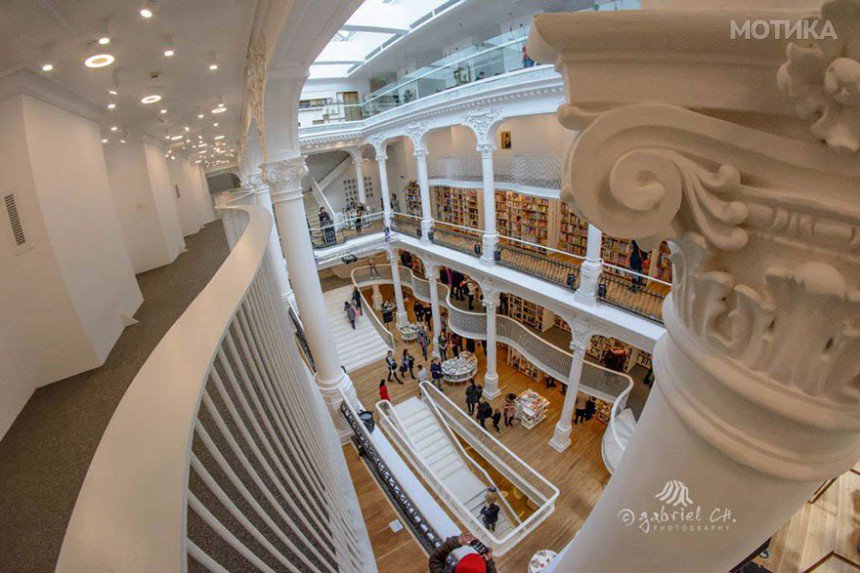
(457,556)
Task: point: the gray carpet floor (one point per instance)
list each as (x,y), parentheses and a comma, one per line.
(45,455)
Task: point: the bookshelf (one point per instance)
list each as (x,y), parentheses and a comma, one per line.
(599,344)
(529,313)
(616,251)
(458,206)
(413,198)
(527,218)
(572,232)
(664,265)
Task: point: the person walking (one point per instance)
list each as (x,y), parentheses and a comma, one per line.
(407,364)
(392,367)
(471,291)
(443,346)
(373,272)
(383,391)
(637,264)
(580,406)
(356,299)
(457,555)
(471,397)
(456,344)
(490,512)
(418,309)
(484,411)
(497,417)
(510,409)
(423,341)
(436,373)
(350,313)
(422,374)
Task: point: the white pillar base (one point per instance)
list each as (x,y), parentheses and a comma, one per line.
(488,252)
(589,280)
(491,386)
(426,227)
(402,318)
(560,438)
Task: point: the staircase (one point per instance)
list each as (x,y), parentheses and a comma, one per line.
(358,347)
(445,459)
(614,443)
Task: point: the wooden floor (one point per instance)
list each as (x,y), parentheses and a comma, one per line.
(822,536)
(578,473)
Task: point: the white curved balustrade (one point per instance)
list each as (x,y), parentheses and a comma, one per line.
(222,451)
(362,277)
(554,361)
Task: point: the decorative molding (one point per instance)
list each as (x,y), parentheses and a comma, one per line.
(380,146)
(483,122)
(491,292)
(823,80)
(255,86)
(416,132)
(285,178)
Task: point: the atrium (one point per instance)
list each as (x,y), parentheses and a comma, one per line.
(430,285)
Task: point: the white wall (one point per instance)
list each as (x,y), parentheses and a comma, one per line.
(335,192)
(402,168)
(72,184)
(61,299)
(189,213)
(205,202)
(142,197)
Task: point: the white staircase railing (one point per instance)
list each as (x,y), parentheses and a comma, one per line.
(613,433)
(386,334)
(222,438)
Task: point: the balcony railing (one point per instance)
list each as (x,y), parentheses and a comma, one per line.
(634,292)
(406,224)
(523,170)
(456,237)
(339,233)
(221,446)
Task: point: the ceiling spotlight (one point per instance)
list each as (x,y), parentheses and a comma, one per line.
(147,11)
(176,137)
(163,111)
(200,116)
(122,141)
(213,61)
(47,67)
(154,98)
(113,128)
(217,137)
(215,124)
(169,53)
(204,144)
(219,110)
(166,137)
(213,67)
(99,61)
(104,140)
(113,91)
(104,40)
(111,105)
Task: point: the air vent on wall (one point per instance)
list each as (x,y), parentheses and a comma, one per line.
(15,222)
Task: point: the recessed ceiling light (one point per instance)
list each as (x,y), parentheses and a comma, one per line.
(169,53)
(47,67)
(219,110)
(176,137)
(146,11)
(215,124)
(204,144)
(104,140)
(99,61)
(122,141)
(213,67)
(217,137)
(221,104)
(113,128)
(166,137)
(163,111)
(111,105)
(200,116)
(104,40)
(112,92)
(154,98)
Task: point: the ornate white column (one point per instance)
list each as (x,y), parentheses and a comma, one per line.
(491,303)
(273,251)
(417,132)
(756,400)
(431,273)
(402,315)
(357,162)
(591,268)
(581,332)
(379,144)
(285,181)
(483,123)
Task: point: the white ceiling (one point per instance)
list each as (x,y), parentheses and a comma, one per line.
(64,32)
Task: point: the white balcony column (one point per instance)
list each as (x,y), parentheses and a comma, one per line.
(756,401)
(431,273)
(357,162)
(402,315)
(380,145)
(285,181)
(273,250)
(654,257)
(591,268)
(483,122)
(424,187)
(581,332)
(491,303)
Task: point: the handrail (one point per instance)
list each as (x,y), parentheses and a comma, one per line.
(435,397)
(390,420)
(622,271)
(415,520)
(617,407)
(346,230)
(145,481)
(386,334)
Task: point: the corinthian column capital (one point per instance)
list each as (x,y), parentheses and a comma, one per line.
(285,178)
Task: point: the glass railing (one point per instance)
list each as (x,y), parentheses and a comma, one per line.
(494,57)
(339,233)
(522,169)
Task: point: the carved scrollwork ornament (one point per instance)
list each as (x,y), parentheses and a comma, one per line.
(415,132)
(482,121)
(823,79)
